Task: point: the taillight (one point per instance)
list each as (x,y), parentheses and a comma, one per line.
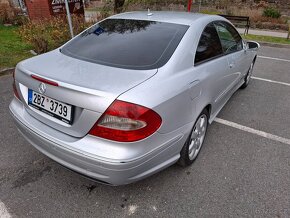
(126,122)
(14,87)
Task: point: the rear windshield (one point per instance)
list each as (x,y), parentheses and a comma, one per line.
(130,44)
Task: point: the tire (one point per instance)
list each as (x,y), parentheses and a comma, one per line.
(195,140)
(247,78)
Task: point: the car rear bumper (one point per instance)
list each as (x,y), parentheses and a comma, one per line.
(110,172)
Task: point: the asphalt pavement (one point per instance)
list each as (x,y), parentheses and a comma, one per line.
(239,173)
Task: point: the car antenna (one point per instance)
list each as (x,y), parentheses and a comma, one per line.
(149,13)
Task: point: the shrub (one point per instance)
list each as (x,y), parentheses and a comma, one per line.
(48,34)
(11,15)
(154,4)
(7,13)
(107,10)
(271,12)
(160,2)
(259,18)
(20,20)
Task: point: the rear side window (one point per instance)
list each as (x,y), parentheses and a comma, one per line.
(209,46)
(125,43)
(230,38)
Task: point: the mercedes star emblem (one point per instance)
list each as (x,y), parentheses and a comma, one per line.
(42,88)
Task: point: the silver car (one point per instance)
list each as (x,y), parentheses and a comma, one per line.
(131,95)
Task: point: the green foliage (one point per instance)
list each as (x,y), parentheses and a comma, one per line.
(48,34)
(271,12)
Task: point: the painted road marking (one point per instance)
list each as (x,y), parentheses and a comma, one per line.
(3,211)
(271,81)
(253,131)
(277,59)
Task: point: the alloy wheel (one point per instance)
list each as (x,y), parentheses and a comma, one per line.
(197,137)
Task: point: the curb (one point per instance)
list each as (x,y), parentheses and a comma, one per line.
(275,45)
(7,71)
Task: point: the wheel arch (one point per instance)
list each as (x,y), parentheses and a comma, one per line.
(208,108)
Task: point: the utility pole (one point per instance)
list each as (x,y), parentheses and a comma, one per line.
(69,18)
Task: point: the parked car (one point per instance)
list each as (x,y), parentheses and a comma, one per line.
(133,94)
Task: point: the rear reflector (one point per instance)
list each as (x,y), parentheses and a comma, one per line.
(126,122)
(40,79)
(16,94)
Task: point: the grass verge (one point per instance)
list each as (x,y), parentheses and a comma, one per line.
(267,39)
(12,48)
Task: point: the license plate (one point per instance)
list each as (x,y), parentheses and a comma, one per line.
(49,106)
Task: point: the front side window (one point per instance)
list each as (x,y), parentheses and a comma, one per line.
(125,43)
(209,46)
(230,39)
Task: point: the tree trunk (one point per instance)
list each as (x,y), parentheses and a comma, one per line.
(118,6)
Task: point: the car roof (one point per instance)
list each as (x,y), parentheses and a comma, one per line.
(184,18)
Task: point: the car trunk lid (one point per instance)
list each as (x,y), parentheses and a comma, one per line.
(90,88)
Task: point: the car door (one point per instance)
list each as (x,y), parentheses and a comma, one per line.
(212,68)
(232,45)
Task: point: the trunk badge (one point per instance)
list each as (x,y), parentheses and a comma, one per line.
(42,88)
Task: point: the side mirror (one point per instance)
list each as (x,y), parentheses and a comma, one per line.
(252,45)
